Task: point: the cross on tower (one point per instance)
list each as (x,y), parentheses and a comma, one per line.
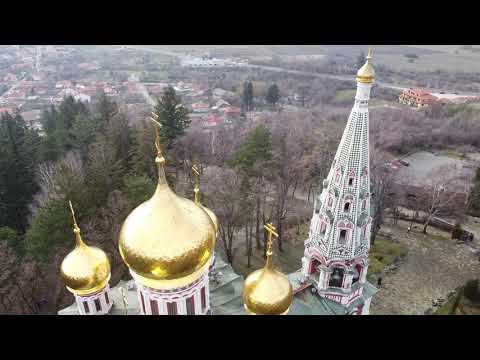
(271,231)
(157,135)
(196,190)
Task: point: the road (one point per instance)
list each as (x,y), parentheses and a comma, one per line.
(308,73)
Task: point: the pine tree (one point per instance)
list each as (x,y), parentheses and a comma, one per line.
(247,97)
(173,116)
(273,94)
(18,155)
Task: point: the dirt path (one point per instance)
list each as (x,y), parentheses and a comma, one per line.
(434,266)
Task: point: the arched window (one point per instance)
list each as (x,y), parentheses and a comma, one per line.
(346,207)
(336,278)
(330,201)
(364,204)
(351,178)
(344,231)
(323,227)
(338,175)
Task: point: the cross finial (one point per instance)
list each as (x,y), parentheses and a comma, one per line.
(76,228)
(158,126)
(196,189)
(370,53)
(271,231)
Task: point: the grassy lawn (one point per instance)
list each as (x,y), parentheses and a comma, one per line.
(383,253)
(446,308)
(453,154)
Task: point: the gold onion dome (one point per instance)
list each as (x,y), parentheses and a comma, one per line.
(366,74)
(86,269)
(168,240)
(267,291)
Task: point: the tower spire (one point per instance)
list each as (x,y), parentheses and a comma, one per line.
(76,228)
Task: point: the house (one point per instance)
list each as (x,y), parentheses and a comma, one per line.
(417,97)
(212,120)
(10,77)
(200,107)
(232,111)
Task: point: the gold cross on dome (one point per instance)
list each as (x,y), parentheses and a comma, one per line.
(158,126)
(271,231)
(196,173)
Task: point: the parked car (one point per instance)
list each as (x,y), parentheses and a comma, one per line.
(404,162)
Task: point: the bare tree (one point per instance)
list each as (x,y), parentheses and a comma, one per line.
(440,195)
(382,179)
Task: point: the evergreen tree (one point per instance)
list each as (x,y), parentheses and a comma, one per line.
(18,155)
(257,148)
(173,116)
(247,97)
(273,94)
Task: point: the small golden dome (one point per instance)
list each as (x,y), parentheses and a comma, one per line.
(267,291)
(86,269)
(168,240)
(366,74)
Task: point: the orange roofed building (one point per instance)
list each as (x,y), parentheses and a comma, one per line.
(417,97)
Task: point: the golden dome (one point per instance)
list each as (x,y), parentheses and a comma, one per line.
(267,291)
(366,74)
(168,240)
(86,269)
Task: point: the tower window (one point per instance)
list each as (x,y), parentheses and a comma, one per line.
(336,279)
(154,307)
(98,306)
(364,204)
(346,207)
(343,237)
(330,201)
(350,182)
(323,227)
(203,298)
(85,306)
(190,306)
(172,308)
(106,298)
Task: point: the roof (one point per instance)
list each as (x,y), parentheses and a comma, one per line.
(226,296)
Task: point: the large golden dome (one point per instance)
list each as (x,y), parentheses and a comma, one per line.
(267,291)
(168,240)
(366,74)
(86,269)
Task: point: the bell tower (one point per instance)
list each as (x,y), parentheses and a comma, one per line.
(336,251)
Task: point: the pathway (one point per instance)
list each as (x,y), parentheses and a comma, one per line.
(434,266)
